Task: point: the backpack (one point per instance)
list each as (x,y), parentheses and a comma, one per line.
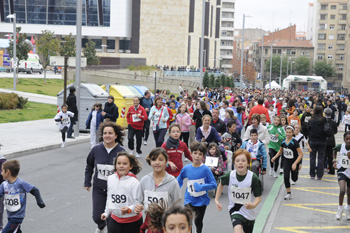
(327,129)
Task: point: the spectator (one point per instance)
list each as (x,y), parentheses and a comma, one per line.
(72,107)
(110,111)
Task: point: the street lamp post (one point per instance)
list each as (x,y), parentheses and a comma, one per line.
(242,51)
(262,56)
(14,62)
(202,47)
(270,63)
(291,67)
(281,70)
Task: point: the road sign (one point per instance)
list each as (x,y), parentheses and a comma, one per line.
(59,61)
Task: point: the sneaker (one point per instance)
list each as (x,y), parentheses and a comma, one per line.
(288,197)
(132,152)
(71,137)
(339,213)
(275,174)
(281,171)
(347,213)
(138,155)
(100,231)
(292,182)
(312,177)
(63,145)
(270,172)
(145,143)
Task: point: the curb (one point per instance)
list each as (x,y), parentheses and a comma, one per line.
(17,154)
(267,213)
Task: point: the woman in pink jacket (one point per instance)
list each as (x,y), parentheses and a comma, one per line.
(185,121)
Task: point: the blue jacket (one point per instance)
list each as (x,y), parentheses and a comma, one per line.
(99,119)
(155,118)
(213,136)
(260,153)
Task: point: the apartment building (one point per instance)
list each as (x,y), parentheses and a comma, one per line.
(330,37)
(346,78)
(227,33)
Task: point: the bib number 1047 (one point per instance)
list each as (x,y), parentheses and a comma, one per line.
(239,195)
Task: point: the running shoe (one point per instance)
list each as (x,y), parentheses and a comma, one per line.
(275,174)
(347,213)
(145,143)
(63,145)
(100,231)
(292,182)
(288,197)
(138,155)
(339,213)
(281,171)
(270,172)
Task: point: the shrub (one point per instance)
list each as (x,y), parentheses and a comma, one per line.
(12,101)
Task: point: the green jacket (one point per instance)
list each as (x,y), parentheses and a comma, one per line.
(275,142)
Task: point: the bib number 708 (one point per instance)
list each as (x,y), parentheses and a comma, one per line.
(11,202)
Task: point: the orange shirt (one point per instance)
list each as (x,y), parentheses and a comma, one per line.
(292,120)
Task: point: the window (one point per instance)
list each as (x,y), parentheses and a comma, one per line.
(345,7)
(274,51)
(320,56)
(333,7)
(340,67)
(323,16)
(324,7)
(293,52)
(321,46)
(342,27)
(331,27)
(341,37)
(323,26)
(330,46)
(288,51)
(332,17)
(321,36)
(331,37)
(279,51)
(341,57)
(266,51)
(341,47)
(343,16)
(330,57)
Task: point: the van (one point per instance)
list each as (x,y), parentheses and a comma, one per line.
(32,64)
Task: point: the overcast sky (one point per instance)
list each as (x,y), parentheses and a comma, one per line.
(285,12)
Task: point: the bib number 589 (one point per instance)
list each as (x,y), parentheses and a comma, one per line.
(118,198)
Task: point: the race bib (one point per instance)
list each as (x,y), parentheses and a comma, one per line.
(288,153)
(191,190)
(135,118)
(273,138)
(211,161)
(156,116)
(65,120)
(157,197)
(12,202)
(117,200)
(104,170)
(345,161)
(240,195)
(293,122)
(307,119)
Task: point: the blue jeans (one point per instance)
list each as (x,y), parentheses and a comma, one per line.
(319,147)
(12,225)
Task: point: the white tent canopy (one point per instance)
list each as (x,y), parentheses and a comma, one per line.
(304,79)
(274,85)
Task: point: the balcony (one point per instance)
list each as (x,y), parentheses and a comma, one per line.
(226,66)
(225,28)
(227,19)
(230,38)
(227,56)
(226,47)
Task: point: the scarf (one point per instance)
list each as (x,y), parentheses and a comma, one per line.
(172,143)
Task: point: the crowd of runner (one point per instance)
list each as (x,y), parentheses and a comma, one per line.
(230,136)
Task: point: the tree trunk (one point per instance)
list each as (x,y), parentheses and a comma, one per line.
(45,76)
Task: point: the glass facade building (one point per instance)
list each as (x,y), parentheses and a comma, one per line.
(59,12)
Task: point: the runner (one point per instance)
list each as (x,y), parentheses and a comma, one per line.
(292,156)
(343,166)
(200,180)
(159,115)
(243,184)
(64,122)
(121,195)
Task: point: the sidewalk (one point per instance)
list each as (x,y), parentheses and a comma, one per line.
(313,204)
(28,137)
(45,99)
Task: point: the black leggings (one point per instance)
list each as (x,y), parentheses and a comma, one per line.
(133,227)
(63,132)
(287,171)
(199,215)
(184,137)
(274,165)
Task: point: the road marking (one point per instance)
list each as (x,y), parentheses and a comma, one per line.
(308,177)
(315,191)
(304,206)
(300,229)
(267,206)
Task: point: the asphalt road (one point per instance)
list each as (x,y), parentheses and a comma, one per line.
(59,174)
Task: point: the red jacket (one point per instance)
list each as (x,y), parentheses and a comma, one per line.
(170,116)
(279,108)
(175,156)
(138,125)
(259,109)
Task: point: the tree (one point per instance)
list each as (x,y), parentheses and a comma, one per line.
(90,54)
(217,82)
(22,48)
(48,45)
(223,80)
(324,69)
(211,80)
(248,69)
(68,46)
(228,81)
(302,66)
(206,80)
(276,64)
